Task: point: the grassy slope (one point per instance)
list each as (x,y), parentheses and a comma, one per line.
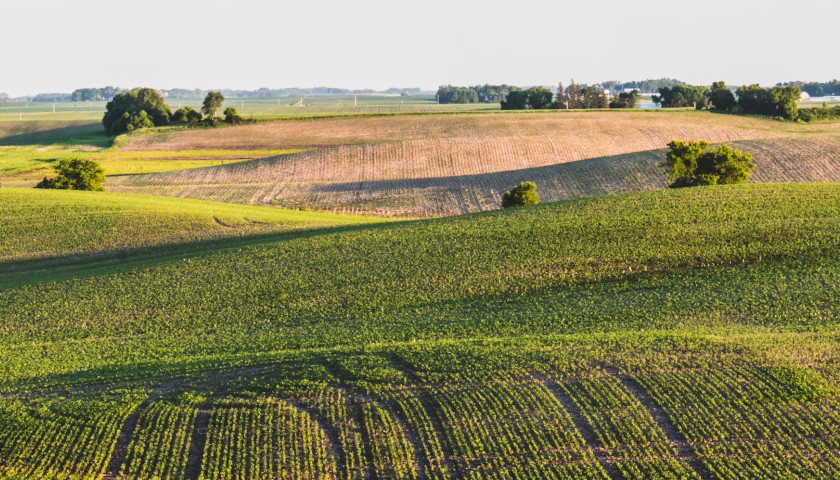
(609,264)
(51,223)
(450,329)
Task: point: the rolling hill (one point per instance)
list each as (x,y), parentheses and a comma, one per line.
(666,334)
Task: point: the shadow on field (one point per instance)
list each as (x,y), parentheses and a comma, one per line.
(18,273)
(628,172)
(53,133)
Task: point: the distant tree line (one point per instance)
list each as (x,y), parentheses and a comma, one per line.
(95,94)
(647,86)
(753,99)
(474,94)
(108,93)
(815,89)
(51,97)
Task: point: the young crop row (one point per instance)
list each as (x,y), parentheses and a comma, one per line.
(69,439)
(264,439)
(393,456)
(767,422)
(409,405)
(627,431)
(160,443)
(512,431)
(336,411)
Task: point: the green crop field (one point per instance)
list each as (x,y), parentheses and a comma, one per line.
(673,334)
(227,310)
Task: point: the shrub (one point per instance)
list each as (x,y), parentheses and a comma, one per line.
(186,115)
(691,164)
(75,174)
(232,116)
(524,194)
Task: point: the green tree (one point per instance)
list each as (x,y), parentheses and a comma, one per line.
(523,194)
(721,97)
(516,100)
(75,174)
(626,100)
(691,164)
(212,102)
(137,108)
(771,102)
(786,101)
(755,100)
(681,96)
(539,97)
(231,116)
(593,97)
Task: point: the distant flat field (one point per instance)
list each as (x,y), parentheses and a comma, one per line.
(258,107)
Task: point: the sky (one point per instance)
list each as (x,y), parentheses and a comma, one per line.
(61,45)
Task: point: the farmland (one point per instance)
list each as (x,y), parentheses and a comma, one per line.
(254,328)
(456,164)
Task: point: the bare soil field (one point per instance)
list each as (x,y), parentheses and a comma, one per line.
(361,184)
(331,132)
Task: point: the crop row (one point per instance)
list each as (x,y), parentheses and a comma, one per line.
(393,455)
(767,422)
(503,431)
(336,410)
(627,430)
(160,443)
(264,439)
(72,438)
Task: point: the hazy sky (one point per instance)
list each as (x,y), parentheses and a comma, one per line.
(61,45)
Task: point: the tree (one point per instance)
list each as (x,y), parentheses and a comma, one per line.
(516,100)
(593,97)
(231,116)
(450,94)
(75,174)
(626,100)
(691,164)
(138,108)
(721,97)
(212,102)
(561,98)
(681,96)
(539,97)
(753,99)
(786,101)
(524,194)
(771,102)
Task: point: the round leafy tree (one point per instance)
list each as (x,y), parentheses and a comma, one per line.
(524,194)
(75,174)
(138,108)
(232,116)
(212,102)
(692,164)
